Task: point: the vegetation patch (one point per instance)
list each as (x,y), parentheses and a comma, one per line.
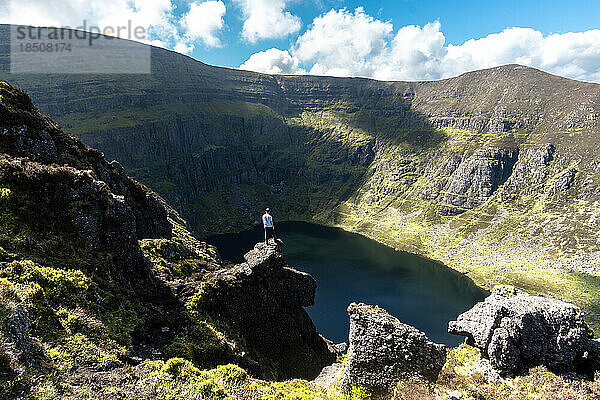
(202,344)
(179,379)
(176,263)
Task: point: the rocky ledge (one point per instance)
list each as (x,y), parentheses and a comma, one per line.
(384,350)
(262,301)
(515,330)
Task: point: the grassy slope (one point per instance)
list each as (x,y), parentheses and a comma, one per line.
(67,309)
(542,241)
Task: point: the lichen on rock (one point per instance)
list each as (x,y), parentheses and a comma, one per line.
(515,330)
(384,350)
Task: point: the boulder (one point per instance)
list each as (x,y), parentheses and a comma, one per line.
(515,330)
(384,350)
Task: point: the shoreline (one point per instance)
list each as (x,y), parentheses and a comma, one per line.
(534,280)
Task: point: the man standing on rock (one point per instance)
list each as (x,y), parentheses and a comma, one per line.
(267,221)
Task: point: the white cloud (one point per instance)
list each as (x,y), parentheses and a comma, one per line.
(414,53)
(151,14)
(31,12)
(157,17)
(353,43)
(204,21)
(183,48)
(512,45)
(339,42)
(574,54)
(272,61)
(267,19)
(343,43)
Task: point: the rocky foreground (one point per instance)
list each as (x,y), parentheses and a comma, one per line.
(99,275)
(515,330)
(384,351)
(512,334)
(262,301)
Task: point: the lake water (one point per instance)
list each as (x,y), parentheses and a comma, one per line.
(349,267)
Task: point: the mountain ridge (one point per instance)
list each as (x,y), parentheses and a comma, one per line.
(494,173)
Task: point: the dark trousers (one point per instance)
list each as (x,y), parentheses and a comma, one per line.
(269,233)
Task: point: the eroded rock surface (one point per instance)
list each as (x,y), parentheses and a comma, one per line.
(477,178)
(515,330)
(384,350)
(530,173)
(565,179)
(262,299)
(16,331)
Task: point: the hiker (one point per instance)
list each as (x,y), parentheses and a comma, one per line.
(267,221)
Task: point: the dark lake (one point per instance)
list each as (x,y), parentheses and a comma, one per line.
(349,267)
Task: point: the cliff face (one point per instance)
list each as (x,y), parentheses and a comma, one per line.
(97,272)
(494,172)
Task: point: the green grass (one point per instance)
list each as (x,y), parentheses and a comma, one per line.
(177,378)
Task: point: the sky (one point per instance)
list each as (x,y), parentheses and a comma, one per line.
(380,39)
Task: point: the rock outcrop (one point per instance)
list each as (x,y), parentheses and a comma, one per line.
(262,300)
(383,350)
(515,330)
(530,173)
(477,178)
(565,179)
(16,331)
(101,196)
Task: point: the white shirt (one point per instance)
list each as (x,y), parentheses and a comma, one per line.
(267,221)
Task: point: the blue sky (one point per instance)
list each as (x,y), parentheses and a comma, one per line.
(382,39)
(460,20)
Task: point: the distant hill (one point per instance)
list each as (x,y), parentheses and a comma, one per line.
(496,172)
